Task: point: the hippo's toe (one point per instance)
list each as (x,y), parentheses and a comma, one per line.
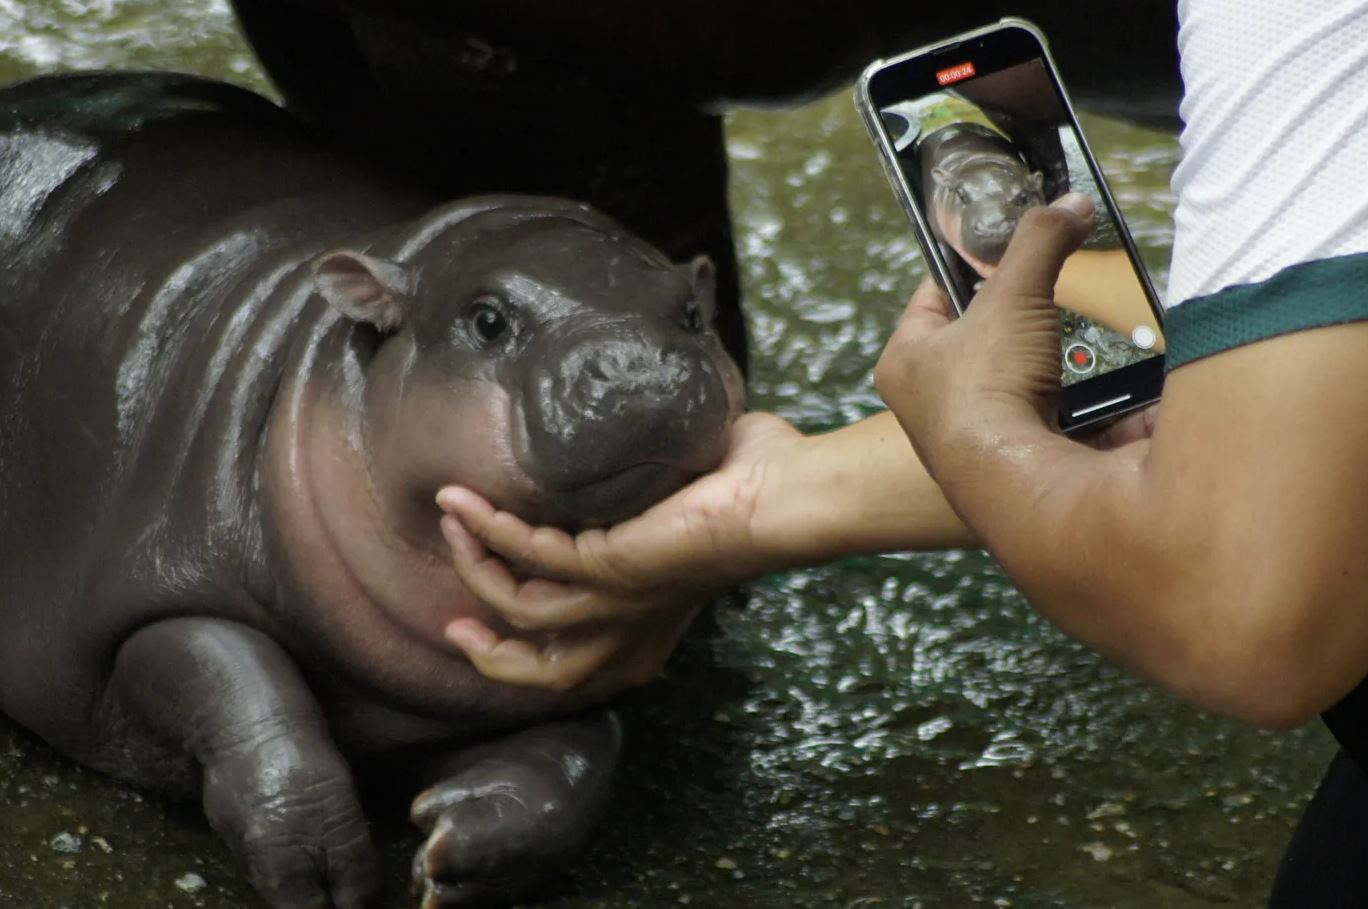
(489,845)
(514,812)
(289,811)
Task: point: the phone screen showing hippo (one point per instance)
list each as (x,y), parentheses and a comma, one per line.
(975,131)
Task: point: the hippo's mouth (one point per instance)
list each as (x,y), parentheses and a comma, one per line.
(614,497)
(989,246)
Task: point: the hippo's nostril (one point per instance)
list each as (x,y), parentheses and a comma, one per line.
(691,317)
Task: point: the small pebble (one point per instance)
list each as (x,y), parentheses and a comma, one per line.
(101,844)
(191,882)
(1106,809)
(66,842)
(1099,851)
(726,864)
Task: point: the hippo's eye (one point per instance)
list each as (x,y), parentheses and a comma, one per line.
(487,323)
(963,195)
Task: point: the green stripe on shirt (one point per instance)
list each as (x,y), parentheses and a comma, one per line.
(1308,295)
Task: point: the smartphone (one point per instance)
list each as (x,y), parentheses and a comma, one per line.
(972,133)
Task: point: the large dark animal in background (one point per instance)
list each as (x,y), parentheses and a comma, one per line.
(618,102)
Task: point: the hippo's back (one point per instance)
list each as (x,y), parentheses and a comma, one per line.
(61,142)
(145,162)
(149,226)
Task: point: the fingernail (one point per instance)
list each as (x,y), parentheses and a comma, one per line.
(448,497)
(1078,203)
(471,635)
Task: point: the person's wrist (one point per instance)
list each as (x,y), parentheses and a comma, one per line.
(780,532)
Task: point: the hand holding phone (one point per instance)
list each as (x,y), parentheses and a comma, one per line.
(991,376)
(973,133)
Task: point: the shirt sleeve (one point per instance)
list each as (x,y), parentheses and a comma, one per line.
(1271,228)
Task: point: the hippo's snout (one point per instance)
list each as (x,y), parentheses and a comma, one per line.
(620,417)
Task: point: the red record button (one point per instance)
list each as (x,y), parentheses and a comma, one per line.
(1080,359)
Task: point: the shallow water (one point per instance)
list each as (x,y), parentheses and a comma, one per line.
(886,732)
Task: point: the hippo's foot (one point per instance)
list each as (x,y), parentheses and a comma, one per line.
(503,824)
(288,809)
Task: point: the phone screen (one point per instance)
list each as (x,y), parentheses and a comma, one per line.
(981,135)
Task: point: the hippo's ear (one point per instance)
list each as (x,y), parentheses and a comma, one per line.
(363,288)
(1036,180)
(703,273)
(941,176)
(703,277)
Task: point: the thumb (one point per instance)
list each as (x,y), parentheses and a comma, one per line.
(1043,240)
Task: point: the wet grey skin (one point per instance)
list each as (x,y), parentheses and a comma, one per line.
(619,102)
(235,368)
(979,189)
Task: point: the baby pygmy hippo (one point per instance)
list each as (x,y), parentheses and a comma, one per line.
(235,368)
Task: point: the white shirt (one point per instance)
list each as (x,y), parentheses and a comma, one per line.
(1275,151)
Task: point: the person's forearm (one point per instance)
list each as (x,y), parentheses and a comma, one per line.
(1223,557)
(860,490)
(1101,286)
(1158,577)
(1064,522)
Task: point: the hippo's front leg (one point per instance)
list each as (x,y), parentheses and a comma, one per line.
(509,813)
(225,703)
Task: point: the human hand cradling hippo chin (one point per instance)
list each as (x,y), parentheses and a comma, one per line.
(605,601)
(606,606)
